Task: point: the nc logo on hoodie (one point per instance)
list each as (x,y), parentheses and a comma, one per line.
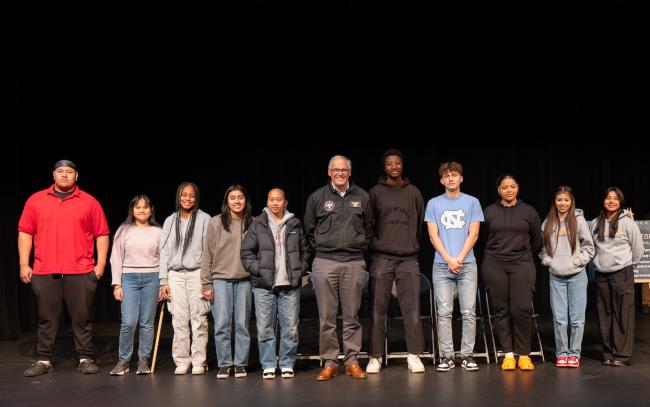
(453,219)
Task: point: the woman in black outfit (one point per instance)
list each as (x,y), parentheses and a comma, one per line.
(513,235)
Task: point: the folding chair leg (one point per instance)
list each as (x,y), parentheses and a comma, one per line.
(489,313)
(539,339)
(385,341)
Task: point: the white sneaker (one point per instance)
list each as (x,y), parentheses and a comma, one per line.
(414,363)
(374,365)
(287,372)
(199,369)
(181,369)
(269,373)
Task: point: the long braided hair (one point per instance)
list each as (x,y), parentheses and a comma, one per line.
(177,221)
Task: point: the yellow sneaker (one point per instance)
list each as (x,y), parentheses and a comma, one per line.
(508,364)
(525,363)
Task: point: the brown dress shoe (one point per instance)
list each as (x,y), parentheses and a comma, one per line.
(327,373)
(355,371)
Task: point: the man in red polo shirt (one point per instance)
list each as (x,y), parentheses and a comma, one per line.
(62,222)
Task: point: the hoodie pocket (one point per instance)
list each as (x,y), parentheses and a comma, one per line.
(605,262)
(577,262)
(564,265)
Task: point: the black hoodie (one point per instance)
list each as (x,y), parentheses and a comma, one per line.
(399,216)
(512,231)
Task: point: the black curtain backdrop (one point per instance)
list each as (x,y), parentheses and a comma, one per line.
(159,115)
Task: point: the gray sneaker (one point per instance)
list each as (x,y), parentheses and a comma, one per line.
(37,369)
(143,366)
(87,366)
(120,368)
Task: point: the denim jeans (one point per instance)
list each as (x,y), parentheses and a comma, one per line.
(232,302)
(138,305)
(568,302)
(445,284)
(285,306)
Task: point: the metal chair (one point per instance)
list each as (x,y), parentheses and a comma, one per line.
(308,313)
(426,302)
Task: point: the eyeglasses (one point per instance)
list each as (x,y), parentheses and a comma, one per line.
(340,171)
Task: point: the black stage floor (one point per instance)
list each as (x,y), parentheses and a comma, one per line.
(590,385)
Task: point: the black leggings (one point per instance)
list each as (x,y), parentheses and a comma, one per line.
(511,285)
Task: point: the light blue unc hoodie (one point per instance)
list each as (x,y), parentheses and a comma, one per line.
(626,248)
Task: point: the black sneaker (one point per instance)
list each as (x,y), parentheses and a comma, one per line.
(445,365)
(87,366)
(143,366)
(240,371)
(469,364)
(120,368)
(37,369)
(224,372)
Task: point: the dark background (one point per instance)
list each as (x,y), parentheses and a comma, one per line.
(143,115)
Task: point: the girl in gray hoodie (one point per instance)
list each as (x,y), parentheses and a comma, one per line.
(568,247)
(619,246)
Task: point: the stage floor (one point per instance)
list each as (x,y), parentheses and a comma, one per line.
(590,385)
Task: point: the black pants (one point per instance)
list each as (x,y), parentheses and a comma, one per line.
(78,292)
(511,285)
(406,274)
(615,304)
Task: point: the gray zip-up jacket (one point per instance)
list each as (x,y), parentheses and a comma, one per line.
(563,262)
(626,248)
(172,259)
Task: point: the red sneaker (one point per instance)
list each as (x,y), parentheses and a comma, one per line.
(561,361)
(573,361)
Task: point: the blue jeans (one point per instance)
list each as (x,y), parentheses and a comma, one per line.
(138,305)
(568,302)
(444,286)
(232,302)
(285,306)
